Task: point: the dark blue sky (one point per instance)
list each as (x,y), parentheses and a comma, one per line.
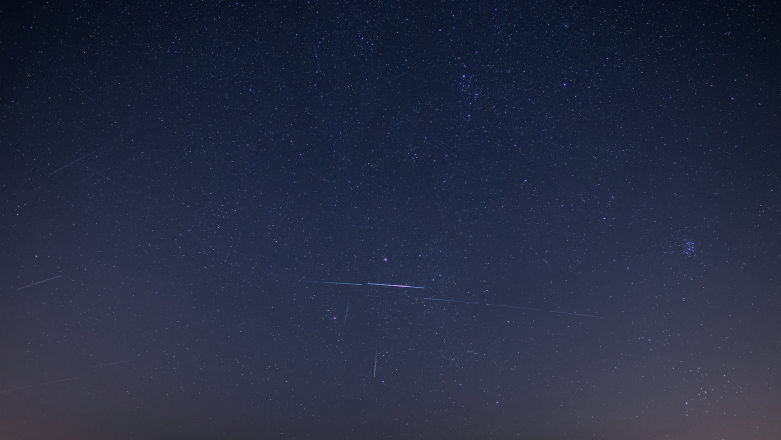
(177,179)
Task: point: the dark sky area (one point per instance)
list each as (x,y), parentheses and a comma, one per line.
(574,208)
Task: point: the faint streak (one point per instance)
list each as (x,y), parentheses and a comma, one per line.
(66,379)
(38,282)
(453,301)
(339,283)
(36,385)
(109,179)
(75,161)
(97,172)
(399,76)
(582,315)
(85,94)
(109,364)
(509,306)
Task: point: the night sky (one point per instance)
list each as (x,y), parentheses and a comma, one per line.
(575,208)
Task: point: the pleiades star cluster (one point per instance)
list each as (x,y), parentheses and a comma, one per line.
(390,220)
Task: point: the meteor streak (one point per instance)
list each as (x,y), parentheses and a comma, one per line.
(56,381)
(342,283)
(38,282)
(109,364)
(75,161)
(403,286)
(36,385)
(339,283)
(509,306)
(477,303)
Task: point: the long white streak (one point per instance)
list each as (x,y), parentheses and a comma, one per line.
(375,364)
(403,286)
(339,283)
(38,282)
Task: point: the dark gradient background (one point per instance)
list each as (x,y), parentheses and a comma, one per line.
(176,173)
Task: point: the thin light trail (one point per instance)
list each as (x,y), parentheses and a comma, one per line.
(36,385)
(109,364)
(75,161)
(477,303)
(342,283)
(56,381)
(338,283)
(26,286)
(402,286)
(109,179)
(85,94)
(375,364)
(96,172)
(508,306)
(457,301)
